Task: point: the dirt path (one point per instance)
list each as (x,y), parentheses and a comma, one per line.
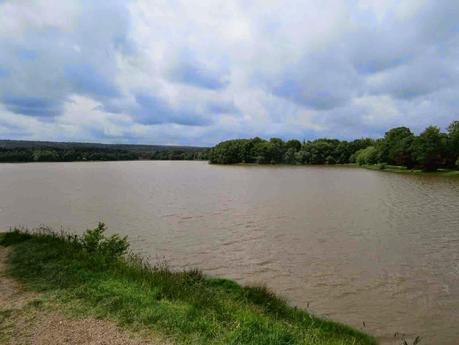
(23,324)
(11,295)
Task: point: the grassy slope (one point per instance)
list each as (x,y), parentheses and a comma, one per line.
(185,306)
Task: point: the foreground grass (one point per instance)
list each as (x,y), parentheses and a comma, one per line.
(186,307)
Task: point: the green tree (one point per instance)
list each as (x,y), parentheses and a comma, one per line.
(396,147)
(321,151)
(453,144)
(265,152)
(45,156)
(293,144)
(289,156)
(228,152)
(368,155)
(428,149)
(277,150)
(302,157)
(359,144)
(343,152)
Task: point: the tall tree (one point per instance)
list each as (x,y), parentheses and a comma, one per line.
(396,147)
(429,149)
(453,144)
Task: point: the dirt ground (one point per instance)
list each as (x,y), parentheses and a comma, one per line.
(23,324)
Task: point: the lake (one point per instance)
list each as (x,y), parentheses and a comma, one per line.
(350,244)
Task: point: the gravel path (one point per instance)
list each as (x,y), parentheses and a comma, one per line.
(22,324)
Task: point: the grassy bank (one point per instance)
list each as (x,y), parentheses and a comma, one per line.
(92,274)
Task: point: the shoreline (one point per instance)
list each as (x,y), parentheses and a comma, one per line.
(186,307)
(403,170)
(376,167)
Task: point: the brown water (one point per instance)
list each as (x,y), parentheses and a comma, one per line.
(356,245)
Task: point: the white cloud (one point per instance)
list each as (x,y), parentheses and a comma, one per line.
(19,16)
(200,72)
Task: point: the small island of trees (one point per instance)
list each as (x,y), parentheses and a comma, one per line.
(430,150)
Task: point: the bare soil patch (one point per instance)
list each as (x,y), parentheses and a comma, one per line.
(22,324)
(12,296)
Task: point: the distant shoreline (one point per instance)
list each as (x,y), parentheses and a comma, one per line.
(12,151)
(377,167)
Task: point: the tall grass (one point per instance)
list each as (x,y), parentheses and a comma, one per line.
(95,273)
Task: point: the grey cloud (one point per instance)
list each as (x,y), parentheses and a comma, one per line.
(318,82)
(420,77)
(33,106)
(188,69)
(197,75)
(154,110)
(222,107)
(86,79)
(46,67)
(249,73)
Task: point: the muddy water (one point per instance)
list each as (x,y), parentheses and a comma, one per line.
(355,245)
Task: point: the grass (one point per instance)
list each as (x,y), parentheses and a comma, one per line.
(186,307)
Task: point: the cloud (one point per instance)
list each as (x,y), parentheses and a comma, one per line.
(318,82)
(86,79)
(198,72)
(33,106)
(196,75)
(428,72)
(223,107)
(189,71)
(4,73)
(153,110)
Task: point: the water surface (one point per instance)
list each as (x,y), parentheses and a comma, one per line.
(355,245)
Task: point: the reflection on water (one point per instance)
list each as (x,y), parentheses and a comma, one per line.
(356,245)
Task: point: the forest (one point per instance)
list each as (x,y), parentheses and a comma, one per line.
(31,151)
(430,150)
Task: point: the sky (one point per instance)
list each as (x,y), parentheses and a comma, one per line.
(199,72)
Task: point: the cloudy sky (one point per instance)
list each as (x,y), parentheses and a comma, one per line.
(197,72)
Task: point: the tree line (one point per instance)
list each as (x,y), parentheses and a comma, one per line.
(53,154)
(430,150)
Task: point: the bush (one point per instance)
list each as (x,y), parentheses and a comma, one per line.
(366,156)
(94,241)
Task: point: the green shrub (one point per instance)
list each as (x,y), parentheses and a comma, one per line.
(94,241)
(13,237)
(367,155)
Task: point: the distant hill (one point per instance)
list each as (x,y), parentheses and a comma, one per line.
(48,151)
(29,144)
